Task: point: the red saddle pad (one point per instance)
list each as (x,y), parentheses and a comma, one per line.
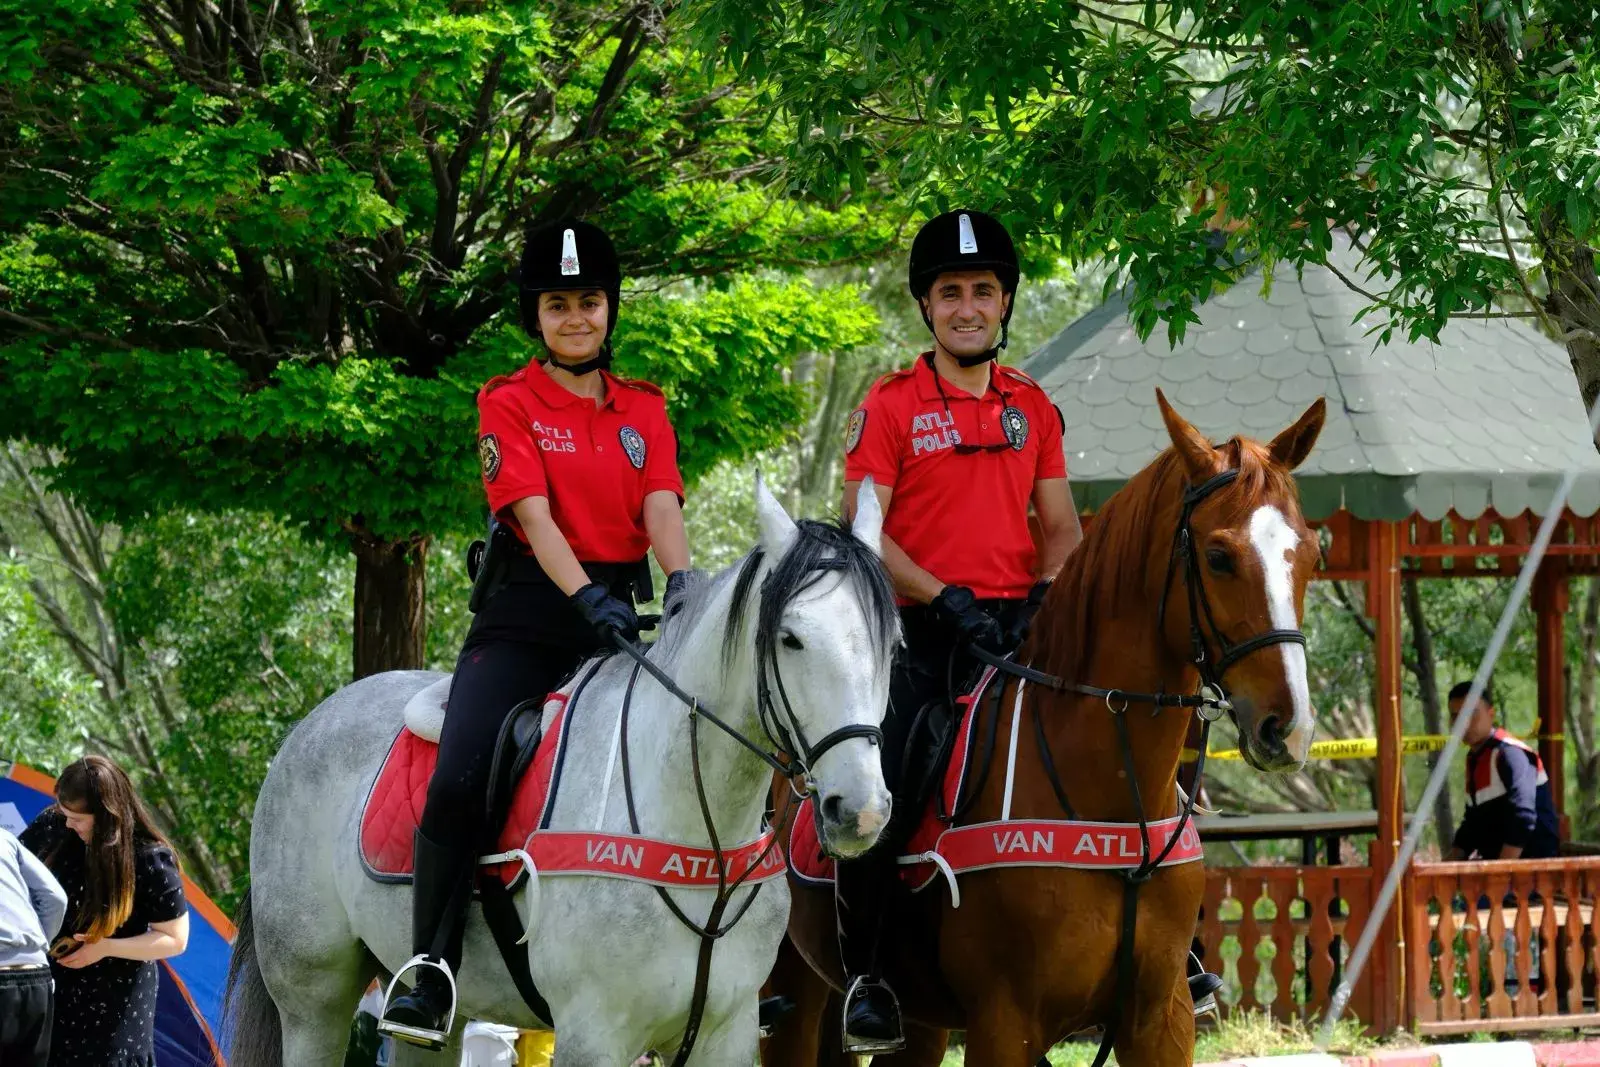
(394,804)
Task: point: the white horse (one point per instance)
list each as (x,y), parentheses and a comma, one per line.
(616,967)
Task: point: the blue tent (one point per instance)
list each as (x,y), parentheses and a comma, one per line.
(189,1001)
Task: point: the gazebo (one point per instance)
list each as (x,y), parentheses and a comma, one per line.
(1437,460)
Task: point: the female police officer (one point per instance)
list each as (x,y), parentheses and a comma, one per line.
(581,469)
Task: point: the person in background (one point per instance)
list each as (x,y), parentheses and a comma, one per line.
(32,905)
(125,910)
(1510,814)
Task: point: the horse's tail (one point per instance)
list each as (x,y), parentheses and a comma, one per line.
(251,1022)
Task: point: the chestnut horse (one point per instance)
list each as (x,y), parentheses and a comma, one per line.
(1195,571)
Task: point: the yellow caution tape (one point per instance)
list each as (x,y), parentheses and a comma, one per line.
(1352,748)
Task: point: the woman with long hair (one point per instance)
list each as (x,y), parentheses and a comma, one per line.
(125,910)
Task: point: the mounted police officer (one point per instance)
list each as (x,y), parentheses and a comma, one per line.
(958,446)
(580,470)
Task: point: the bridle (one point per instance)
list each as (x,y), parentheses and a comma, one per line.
(1209,702)
(790,754)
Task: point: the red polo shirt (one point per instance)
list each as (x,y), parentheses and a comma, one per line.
(961,517)
(595,463)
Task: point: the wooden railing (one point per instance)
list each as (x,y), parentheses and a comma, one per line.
(1279,936)
(1510,941)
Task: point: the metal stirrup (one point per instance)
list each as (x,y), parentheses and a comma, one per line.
(400,1030)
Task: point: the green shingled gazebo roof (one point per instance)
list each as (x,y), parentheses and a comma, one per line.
(1489,417)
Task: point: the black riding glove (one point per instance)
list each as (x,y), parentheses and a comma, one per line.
(672,599)
(957,608)
(606,613)
(1026,611)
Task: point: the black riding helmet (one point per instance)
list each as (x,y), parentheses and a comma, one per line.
(570,254)
(965,240)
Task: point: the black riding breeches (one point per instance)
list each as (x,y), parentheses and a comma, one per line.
(527,639)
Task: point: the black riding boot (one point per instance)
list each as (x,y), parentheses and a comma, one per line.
(871,1011)
(441,889)
(1203,986)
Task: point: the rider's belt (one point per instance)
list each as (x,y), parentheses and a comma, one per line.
(631,579)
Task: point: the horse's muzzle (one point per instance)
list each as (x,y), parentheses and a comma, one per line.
(1271,741)
(847,829)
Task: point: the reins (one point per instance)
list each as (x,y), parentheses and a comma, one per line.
(786,736)
(1209,703)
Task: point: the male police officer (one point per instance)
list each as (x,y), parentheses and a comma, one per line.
(957,446)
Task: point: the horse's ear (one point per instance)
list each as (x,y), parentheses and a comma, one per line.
(868,524)
(1291,447)
(777,528)
(1200,459)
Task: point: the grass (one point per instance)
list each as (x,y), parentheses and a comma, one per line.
(1242,1034)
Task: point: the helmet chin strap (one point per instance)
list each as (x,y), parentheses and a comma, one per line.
(600,361)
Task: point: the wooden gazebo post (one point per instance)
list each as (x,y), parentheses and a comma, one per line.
(1383,604)
(1550,604)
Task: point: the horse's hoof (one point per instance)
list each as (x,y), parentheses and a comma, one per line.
(771,1012)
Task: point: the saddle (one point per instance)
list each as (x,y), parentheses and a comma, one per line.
(524,780)
(938,845)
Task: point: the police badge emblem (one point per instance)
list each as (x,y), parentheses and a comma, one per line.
(633,445)
(489,456)
(852,433)
(1015,424)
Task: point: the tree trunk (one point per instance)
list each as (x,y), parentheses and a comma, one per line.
(1574,301)
(1582,726)
(1427,675)
(391,596)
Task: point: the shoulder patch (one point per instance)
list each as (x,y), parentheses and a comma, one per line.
(489,456)
(852,433)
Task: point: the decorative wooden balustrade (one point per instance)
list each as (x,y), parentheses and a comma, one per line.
(1508,941)
(1279,936)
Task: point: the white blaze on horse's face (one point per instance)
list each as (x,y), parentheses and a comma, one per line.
(833,679)
(1277,543)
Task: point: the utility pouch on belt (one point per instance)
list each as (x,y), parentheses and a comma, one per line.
(488,563)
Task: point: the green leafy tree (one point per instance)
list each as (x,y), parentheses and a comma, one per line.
(1458,141)
(111,643)
(260,255)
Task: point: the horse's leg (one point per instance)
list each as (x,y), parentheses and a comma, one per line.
(317,984)
(799,1038)
(591,1047)
(925,1047)
(1001,1034)
(318,1016)
(1162,1035)
(733,1043)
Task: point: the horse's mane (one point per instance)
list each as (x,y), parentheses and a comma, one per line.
(1123,558)
(818,550)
